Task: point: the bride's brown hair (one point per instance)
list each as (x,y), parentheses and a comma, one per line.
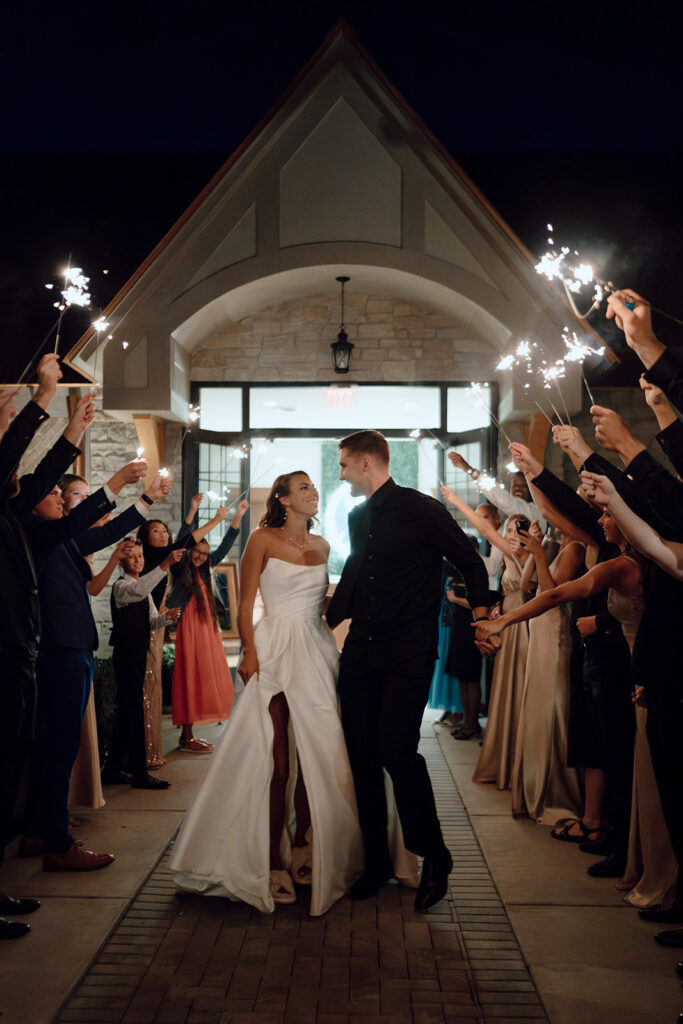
(276,514)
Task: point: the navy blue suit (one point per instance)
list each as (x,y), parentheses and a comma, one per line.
(65,661)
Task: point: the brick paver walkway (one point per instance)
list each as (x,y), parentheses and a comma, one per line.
(193,960)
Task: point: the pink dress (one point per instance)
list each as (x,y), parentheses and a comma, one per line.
(202,684)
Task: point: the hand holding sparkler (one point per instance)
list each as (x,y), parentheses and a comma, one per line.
(613,434)
(599,489)
(239,512)
(632,315)
(161,485)
(459,463)
(524,460)
(81,418)
(572,443)
(49,373)
(128,474)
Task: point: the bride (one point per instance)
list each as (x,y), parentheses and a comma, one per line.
(277,804)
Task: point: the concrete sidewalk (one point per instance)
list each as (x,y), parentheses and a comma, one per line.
(525,934)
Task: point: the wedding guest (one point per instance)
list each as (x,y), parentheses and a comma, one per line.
(655,649)
(156,541)
(65,664)
(443,692)
(498,747)
(600,737)
(543,786)
(85,788)
(19,607)
(202,684)
(651,871)
(134,616)
(516,501)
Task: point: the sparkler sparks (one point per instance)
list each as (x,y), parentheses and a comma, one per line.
(101,324)
(476,389)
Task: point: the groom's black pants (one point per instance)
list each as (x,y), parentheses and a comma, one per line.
(381,713)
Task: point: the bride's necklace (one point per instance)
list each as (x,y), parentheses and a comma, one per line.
(291,541)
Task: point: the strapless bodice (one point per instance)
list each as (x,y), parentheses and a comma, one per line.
(293,590)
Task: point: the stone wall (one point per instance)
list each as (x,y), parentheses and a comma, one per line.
(394,340)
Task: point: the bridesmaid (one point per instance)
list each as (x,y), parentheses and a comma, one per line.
(497,752)
(157,542)
(498,748)
(202,685)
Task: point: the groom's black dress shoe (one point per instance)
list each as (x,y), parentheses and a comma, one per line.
(434,881)
(663,915)
(13,929)
(673,939)
(16,905)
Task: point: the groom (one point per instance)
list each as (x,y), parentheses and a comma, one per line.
(390,588)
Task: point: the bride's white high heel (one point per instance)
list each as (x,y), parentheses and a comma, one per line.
(282,887)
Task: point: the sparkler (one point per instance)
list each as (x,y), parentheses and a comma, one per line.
(139,451)
(193,415)
(559,266)
(475,389)
(576,352)
(74,293)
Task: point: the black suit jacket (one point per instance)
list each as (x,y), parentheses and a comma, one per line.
(19,604)
(391,584)
(59,547)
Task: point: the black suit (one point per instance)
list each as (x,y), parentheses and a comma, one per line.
(65,663)
(391,590)
(19,605)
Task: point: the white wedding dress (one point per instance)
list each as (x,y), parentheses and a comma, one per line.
(223,845)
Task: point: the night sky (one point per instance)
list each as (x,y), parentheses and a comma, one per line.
(115,116)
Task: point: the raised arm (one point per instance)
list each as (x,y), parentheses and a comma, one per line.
(15,436)
(98,582)
(636,323)
(34,486)
(481,525)
(532,469)
(618,572)
(668,554)
(251,568)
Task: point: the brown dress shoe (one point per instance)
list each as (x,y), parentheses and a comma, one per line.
(76,859)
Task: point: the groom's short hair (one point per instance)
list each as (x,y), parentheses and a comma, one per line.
(367,442)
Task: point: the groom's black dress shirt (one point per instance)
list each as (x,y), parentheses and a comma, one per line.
(391,583)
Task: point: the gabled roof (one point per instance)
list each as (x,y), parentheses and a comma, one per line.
(340,30)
